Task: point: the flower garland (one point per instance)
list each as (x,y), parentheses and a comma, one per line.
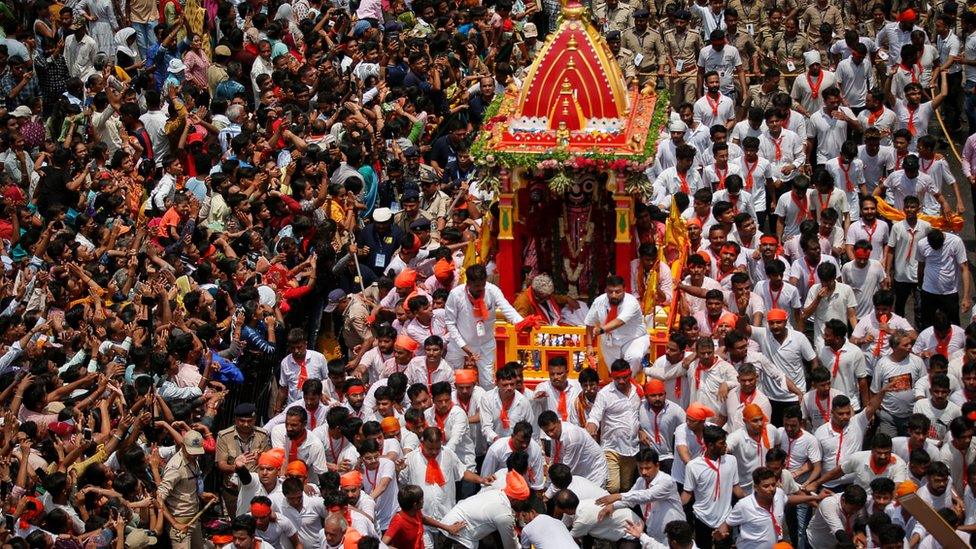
(485,157)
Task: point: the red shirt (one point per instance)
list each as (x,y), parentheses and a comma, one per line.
(406,530)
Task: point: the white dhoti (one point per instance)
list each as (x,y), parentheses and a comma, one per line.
(632,351)
(486,362)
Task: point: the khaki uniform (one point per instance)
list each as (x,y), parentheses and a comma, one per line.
(747,51)
(179,492)
(750,12)
(229,446)
(625,58)
(789,55)
(650,47)
(401,220)
(683,48)
(618,19)
(814,16)
(763,99)
(436,208)
(765,39)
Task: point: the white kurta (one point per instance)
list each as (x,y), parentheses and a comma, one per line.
(479,335)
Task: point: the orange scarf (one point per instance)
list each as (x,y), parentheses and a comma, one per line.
(561,407)
(878,470)
(302,372)
(434,474)
(503,415)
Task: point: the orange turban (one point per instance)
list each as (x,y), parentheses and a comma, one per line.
(407,343)
(728,319)
(390,425)
(465,376)
(352,479)
(699,412)
(516,487)
(443,270)
(654,387)
(752,411)
(783,545)
(776,315)
(907,16)
(694,221)
(272,458)
(297,467)
(905,487)
(406,279)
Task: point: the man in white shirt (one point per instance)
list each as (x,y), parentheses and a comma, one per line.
(897,373)
(841,437)
(865,276)
(714,107)
(783,148)
(942,265)
(724,59)
(750,443)
(617,318)
(587,520)
(615,417)
(558,392)
(863,467)
(299,366)
(575,447)
(833,521)
(845,364)
(711,479)
(503,406)
(882,120)
(808,87)
(760,516)
(489,511)
(539,530)
(827,126)
(709,377)
(855,77)
(520,441)
(790,352)
(470,320)
(304,511)
(659,417)
(847,172)
(655,493)
(829,300)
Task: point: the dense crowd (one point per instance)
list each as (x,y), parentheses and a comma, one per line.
(239,306)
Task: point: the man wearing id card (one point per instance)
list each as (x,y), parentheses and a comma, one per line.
(724,59)
(382,238)
(647,45)
(681,45)
(469,315)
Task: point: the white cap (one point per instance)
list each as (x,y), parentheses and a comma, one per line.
(530,30)
(677,126)
(175,66)
(382,215)
(22,111)
(811,57)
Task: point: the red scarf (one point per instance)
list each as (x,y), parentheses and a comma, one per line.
(836,368)
(441,420)
(840,443)
(561,406)
(683,177)
(778,147)
(942,344)
(815,89)
(698,371)
(776,527)
(434,474)
(873,116)
(847,174)
(911,118)
(879,470)
(749,170)
(713,103)
(717,467)
(802,207)
(503,415)
(295,444)
(881,333)
(302,371)
(478,307)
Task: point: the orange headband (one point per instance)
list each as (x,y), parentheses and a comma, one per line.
(356,390)
(260,510)
(776,315)
(654,386)
(620,374)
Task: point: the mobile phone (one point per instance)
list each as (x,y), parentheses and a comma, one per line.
(87,433)
(8,520)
